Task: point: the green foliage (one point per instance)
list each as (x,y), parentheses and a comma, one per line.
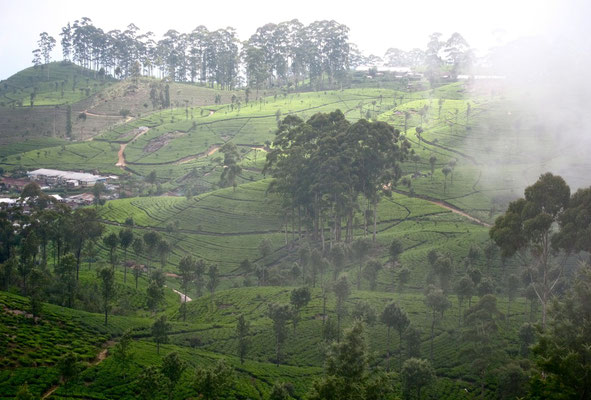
(416,374)
(280,314)
(563,348)
(107,279)
(214,382)
(395,250)
(347,373)
(172,369)
(280,391)
(160,330)
(395,317)
(242,332)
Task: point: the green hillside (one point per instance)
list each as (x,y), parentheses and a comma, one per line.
(468,159)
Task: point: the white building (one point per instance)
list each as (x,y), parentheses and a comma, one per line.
(54,176)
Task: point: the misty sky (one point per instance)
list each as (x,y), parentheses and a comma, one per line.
(375,25)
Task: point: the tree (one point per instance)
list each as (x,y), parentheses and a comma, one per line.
(151,177)
(403,277)
(443,269)
(121,353)
(90,252)
(155,290)
(125,240)
(437,302)
(330,331)
(446,171)
(151,240)
(363,159)
(163,248)
(458,54)
(149,382)
(342,290)
(69,121)
(213,279)
(46,44)
(231,168)
(395,317)
(299,298)
(242,332)
(160,330)
(37,283)
(281,391)
(412,336)
(68,367)
(198,275)
(575,224)
(186,269)
(527,226)
(347,376)
(107,279)
(370,272)
(527,336)
(280,314)
(481,325)
(464,290)
(214,382)
(432,162)
(512,382)
(364,312)
(172,369)
(85,226)
(513,284)
(395,250)
(111,242)
(416,374)
(97,190)
(562,351)
(138,247)
(31,190)
(66,271)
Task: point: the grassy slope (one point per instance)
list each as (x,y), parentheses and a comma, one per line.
(225,227)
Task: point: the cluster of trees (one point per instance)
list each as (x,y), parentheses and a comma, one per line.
(325,166)
(285,53)
(54,235)
(289,52)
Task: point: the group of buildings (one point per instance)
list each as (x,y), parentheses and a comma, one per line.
(53,179)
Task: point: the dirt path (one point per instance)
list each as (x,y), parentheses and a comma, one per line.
(459,212)
(101,115)
(99,359)
(120,155)
(209,152)
(183,296)
(446,205)
(50,391)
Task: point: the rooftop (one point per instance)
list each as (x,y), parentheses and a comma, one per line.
(69,175)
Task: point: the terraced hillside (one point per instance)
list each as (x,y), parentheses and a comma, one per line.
(224,227)
(449,212)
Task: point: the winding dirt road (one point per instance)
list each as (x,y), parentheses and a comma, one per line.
(120,155)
